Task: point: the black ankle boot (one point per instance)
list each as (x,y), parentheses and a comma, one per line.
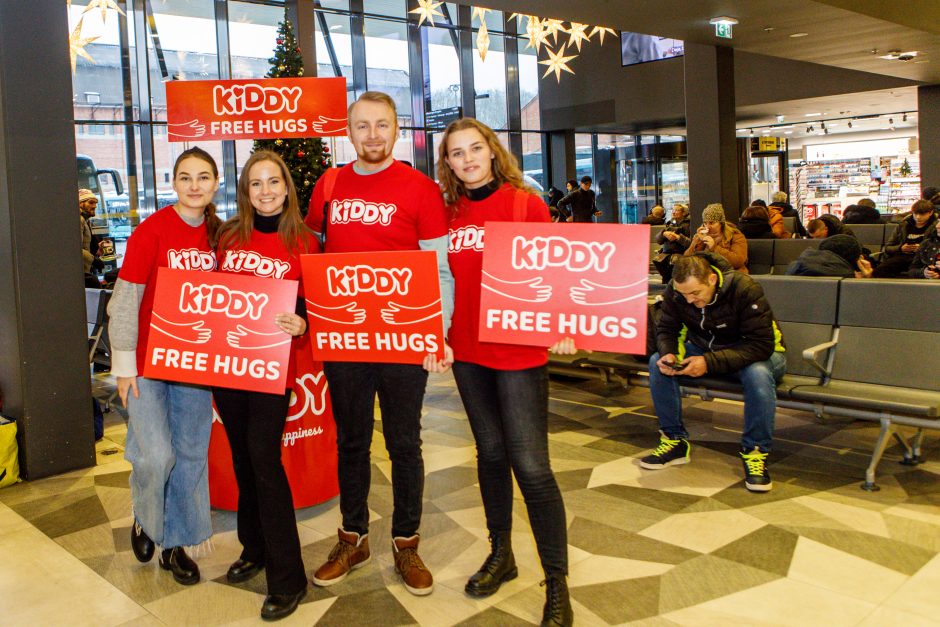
(500,566)
(141,543)
(557,611)
(183,568)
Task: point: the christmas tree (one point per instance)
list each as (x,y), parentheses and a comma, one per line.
(306,158)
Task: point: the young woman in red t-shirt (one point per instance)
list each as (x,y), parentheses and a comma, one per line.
(169,423)
(504,388)
(268,227)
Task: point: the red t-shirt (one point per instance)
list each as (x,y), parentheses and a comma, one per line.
(265,255)
(388,210)
(163,240)
(465,254)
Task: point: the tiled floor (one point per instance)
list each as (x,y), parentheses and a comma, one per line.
(687,545)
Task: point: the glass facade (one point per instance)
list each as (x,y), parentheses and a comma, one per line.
(120,98)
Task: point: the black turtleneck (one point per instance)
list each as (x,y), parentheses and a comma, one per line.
(267,224)
(483,192)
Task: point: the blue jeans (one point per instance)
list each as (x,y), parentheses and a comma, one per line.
(508,412)
(168,447)
(759,380)
(400,388)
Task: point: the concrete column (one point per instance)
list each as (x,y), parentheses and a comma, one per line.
(710,128)
(928,122)
(44,369)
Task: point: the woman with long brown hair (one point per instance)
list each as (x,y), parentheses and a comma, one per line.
(169,423)
(268,226)
(504,388)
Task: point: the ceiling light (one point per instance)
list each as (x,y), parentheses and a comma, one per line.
(752,132)
(780,118)
(723,19)
(795,35)
(809,115)
(897,55)
(788,132)
(768,29)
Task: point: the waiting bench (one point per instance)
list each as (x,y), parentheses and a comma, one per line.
(832,327)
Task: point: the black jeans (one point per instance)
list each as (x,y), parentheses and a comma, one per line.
(508,411)
(267,529)
(400,388)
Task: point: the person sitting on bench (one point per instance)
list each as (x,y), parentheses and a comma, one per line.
(716,321)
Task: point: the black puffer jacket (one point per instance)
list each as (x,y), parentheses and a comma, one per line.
(905,235)
(735,330)
(928,254)
(814,262)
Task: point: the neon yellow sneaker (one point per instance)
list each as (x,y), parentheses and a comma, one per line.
(756,475)
(668,453)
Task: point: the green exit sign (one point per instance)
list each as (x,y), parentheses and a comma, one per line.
(723,30)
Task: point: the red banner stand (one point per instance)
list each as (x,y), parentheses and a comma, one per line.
(308,448)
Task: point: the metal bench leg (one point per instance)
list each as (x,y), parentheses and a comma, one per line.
(886,430)
(912,455)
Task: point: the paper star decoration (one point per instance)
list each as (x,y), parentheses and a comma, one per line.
(426,10)
(519,17)
(104,5)
(480,12)
(576,35)
(535,33)
(600,31)
(556,63)
(77,45)
(551,28)
(483,41)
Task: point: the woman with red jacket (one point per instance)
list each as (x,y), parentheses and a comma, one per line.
(504,388)
(269,228)
(168,423)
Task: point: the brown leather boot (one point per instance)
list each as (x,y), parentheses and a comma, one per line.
(350,553)
(415,575)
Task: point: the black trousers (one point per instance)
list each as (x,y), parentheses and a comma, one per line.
(508,412)
(267,529)
(400,388)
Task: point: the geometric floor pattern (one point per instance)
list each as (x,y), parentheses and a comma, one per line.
(687,545)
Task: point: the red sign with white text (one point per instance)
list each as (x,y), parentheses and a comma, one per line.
(374,307)
(542,282)
(255,108)
(218,329)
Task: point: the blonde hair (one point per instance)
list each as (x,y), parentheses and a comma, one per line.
(373,96)
(291,228)
(505,167)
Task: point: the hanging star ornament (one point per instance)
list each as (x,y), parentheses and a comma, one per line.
(483,41)
(519,17)
(551,28)
(480,12)
(104,5)
(426,10)
(77,45)
(535,33)
(576,35)
(600,31)
(556,63)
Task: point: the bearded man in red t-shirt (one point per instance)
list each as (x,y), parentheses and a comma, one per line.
(412,217)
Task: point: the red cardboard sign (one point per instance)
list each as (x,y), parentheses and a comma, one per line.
(543,282)
(308,446)
(218,329)
(255,108)
(374,307)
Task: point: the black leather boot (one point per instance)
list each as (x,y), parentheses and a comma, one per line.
(141,543)
(500,566)
(278,606)
(183,568)
(557,611)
